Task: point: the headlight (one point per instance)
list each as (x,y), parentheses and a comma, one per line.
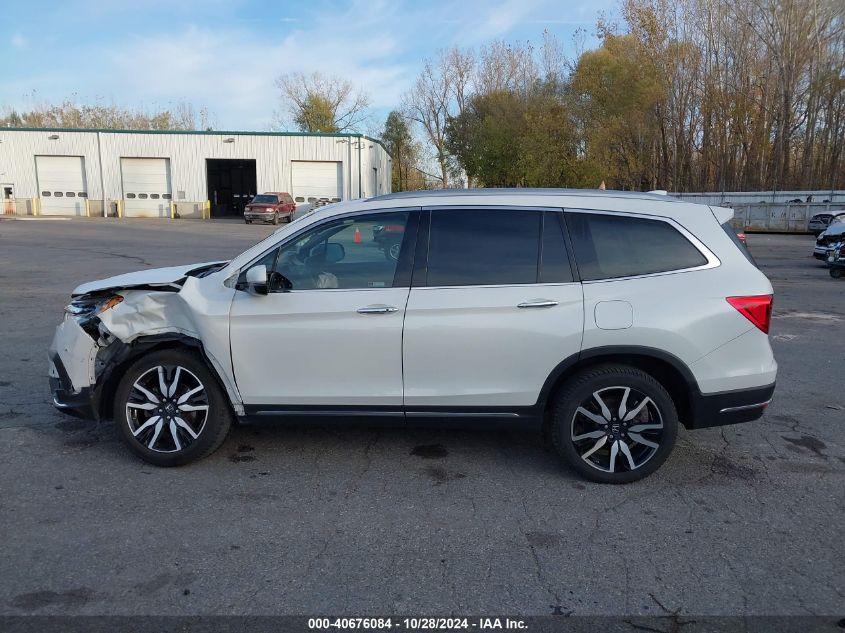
(92,305)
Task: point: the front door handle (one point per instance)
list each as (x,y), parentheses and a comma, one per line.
(377,309)
(537,303)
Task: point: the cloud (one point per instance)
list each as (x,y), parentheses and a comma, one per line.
(233,71)
(227,60)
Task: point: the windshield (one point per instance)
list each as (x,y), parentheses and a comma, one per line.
(265,199)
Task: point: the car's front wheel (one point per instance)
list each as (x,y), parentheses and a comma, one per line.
(275,218)
(170,409)
(614,424)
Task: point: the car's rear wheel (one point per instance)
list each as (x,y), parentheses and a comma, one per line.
(248,221)
(614,424)
(836,272)
(170,409)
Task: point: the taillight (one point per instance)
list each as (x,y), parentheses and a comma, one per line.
(756,308)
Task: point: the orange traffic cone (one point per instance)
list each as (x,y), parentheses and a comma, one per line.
(357,238)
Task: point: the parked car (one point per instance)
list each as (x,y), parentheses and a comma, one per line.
(821,221)
(389,238)
(607,318)
(827,238)
(270,207)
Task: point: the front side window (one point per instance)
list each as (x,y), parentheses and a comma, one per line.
(480,247)
(360,252)
(608,246)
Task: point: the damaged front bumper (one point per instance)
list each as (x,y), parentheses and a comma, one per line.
(72,358)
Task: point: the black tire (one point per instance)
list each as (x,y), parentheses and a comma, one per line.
(569,423)
(288,218)
(836,272)
(275,218)
(172,443)
(247,221)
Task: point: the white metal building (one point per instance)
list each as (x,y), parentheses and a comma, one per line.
(185,174)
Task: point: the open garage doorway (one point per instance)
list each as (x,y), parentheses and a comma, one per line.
(231,185)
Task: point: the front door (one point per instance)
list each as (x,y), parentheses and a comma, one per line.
(331,334)
(492,313)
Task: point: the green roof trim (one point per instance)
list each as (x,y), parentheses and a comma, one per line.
(199,132)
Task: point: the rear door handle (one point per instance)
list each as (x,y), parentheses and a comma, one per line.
(377,309)
(537,303)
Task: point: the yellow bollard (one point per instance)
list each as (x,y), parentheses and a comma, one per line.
(36,202)
(120,208)
(87,209)
(172,210)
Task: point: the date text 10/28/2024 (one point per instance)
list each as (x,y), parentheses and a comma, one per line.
(422,623)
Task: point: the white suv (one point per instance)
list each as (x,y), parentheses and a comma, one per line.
(607,317)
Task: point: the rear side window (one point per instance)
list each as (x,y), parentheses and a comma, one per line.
(476,247)
(609,246)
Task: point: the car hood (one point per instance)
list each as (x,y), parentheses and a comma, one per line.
(170,277)
(834,229)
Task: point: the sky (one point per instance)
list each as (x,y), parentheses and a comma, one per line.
(224,55)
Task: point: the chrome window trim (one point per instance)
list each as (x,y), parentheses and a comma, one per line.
(710,256)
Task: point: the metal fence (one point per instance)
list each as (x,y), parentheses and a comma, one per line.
(779,217)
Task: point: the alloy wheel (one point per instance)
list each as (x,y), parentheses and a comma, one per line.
(167,408)
(617,429)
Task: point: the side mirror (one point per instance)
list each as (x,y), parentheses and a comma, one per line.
(334,252)
(256,280)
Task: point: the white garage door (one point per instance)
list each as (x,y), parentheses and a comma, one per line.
(313,180)
(61,184)
(146,187)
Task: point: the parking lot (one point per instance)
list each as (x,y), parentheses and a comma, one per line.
(743,520)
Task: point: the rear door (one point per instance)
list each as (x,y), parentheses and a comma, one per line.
(493,309)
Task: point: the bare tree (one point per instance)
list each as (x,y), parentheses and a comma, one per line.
(323,103)
(71,114)
(504,67)
(428,103)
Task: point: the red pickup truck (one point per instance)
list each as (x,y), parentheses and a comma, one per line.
(270,206)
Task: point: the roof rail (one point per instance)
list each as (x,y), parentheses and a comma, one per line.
(663,196)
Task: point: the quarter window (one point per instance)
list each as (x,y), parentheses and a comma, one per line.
(609,246)
(483,247)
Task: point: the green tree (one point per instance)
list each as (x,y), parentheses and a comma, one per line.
(316,115)
(616,90)
(402,149)
(485,137)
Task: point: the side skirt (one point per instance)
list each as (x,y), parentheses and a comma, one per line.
(416,417)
